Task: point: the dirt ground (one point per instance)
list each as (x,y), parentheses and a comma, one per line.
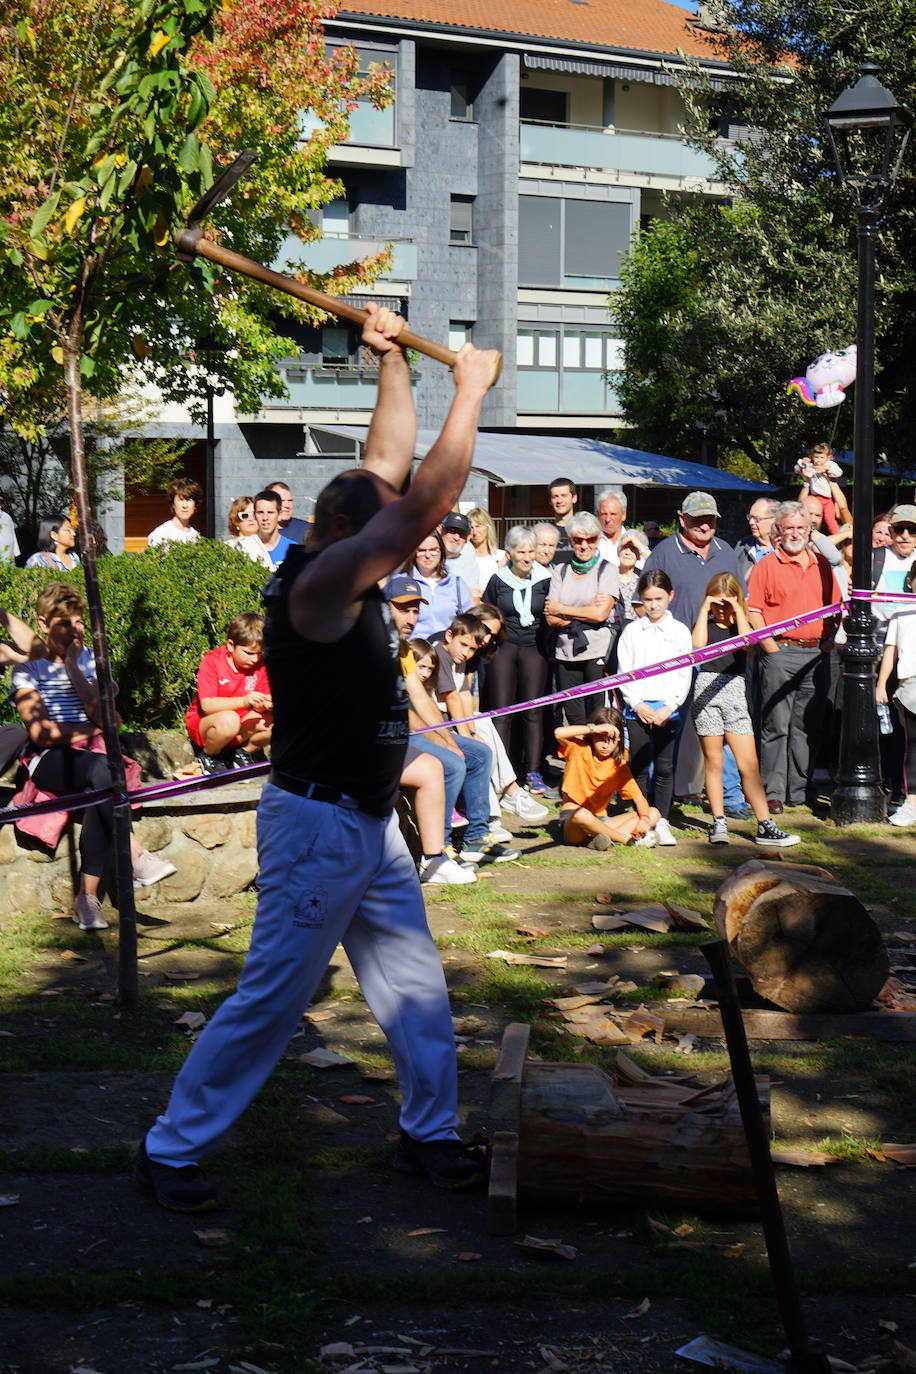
(366,1220)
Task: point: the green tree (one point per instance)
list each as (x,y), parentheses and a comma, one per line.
(765,284)
(113,117)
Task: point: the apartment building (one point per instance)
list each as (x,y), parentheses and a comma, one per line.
(525,145)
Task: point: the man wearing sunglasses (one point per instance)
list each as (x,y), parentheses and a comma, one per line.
(891,564)
(690,558)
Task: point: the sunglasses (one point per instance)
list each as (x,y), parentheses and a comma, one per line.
(903,529)
(583,539)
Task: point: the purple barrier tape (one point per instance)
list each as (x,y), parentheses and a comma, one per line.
(163,791)
(158,791)
(683,661)
(881,596)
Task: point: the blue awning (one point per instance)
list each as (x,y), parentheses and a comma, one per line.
(533,460)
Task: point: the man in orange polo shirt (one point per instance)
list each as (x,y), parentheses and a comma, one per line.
(795,675)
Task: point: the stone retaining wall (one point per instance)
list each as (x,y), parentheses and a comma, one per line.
(208,836)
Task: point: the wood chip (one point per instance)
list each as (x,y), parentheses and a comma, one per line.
(72,957)
(653,918)
(214,1236)
(356,1100)
(574,1003)
(685,1043)
(316,1017)
(901,1154)
(428,1231)
(802,1159)
(468,1256)
(685,918)
(324,1059)
(192,1019)
(534,960)
(546,1249)
(637,1312)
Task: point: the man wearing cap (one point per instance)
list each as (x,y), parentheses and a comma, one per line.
(794,670)
(890,565)
(334,867)
(462,561)
(690,558)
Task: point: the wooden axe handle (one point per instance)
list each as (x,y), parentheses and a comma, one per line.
(191,243)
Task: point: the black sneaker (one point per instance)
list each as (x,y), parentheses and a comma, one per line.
(769,836)
(242,759)
(210,763)
(177,1190)
(446,1163)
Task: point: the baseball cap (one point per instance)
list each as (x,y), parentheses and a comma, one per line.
(699,503)
(402,587)
(456,521)
(900,513)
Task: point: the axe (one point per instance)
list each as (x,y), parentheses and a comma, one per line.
(190,244)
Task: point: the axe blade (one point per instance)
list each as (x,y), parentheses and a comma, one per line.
(221,187)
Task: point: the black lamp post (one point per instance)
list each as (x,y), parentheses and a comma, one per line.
(868,132)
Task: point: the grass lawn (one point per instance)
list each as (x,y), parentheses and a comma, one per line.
(319,1242)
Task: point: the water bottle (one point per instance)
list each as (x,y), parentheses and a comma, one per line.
(885,724)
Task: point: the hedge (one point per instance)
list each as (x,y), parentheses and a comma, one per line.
(163,610)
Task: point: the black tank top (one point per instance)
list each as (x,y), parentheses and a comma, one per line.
(340,710)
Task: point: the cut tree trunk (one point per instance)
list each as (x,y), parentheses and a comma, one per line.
(572,1132)
(807,943)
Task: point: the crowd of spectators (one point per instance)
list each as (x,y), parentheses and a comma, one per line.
(490,625)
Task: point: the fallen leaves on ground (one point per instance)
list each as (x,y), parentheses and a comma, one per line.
(357,1100)
(535,960)
(214,1236)
(193,1020)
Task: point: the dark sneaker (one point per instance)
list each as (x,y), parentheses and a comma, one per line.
(177,1190)
(769,836)
(240,758)
(210,763)
(739,813)
(446,1163)
(487,851)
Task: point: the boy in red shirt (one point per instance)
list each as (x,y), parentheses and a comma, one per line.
(231,718)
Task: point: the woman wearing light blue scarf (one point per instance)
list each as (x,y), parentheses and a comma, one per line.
(519,670)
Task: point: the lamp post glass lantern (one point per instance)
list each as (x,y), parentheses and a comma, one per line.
(868,132)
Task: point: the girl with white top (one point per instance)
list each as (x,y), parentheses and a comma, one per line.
(652,705)
(184,496)
(900,649)
(484,542)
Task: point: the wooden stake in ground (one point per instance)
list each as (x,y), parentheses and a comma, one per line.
(807,943)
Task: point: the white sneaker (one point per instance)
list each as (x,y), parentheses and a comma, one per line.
(88,914)
(904,815)
(148,869)
(647,841)
(442,869)
(528,808)
(498,832)
(663,833)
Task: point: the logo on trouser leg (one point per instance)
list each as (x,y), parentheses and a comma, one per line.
(310,908)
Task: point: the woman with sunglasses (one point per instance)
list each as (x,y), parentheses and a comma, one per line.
(243,531)
(579,601)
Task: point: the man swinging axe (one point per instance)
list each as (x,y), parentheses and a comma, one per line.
(333,865)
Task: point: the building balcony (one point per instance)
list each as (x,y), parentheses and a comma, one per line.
(338,250)
(373,140)
(637,156)
(328,387)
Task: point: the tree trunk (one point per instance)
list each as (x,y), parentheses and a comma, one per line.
(807,943)
(127,913)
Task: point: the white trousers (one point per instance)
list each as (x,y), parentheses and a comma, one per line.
(502,772)
(328,875)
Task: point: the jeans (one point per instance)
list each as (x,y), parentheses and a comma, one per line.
(453,768)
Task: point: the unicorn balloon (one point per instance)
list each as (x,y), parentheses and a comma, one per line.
(825,381)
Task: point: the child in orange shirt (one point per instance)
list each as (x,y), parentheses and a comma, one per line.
(596,768)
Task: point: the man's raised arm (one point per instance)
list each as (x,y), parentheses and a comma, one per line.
(391,440)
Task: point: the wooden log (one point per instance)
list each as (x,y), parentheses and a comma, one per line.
(895,1027)
(580,1140)
(807,943)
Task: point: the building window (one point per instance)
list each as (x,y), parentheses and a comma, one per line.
(544,106)
(461,225)
(537,348)
(567,369)
(335,346)
(459,333)
(564,241)
(462,102)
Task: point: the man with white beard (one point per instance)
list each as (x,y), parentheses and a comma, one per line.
(795,676)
